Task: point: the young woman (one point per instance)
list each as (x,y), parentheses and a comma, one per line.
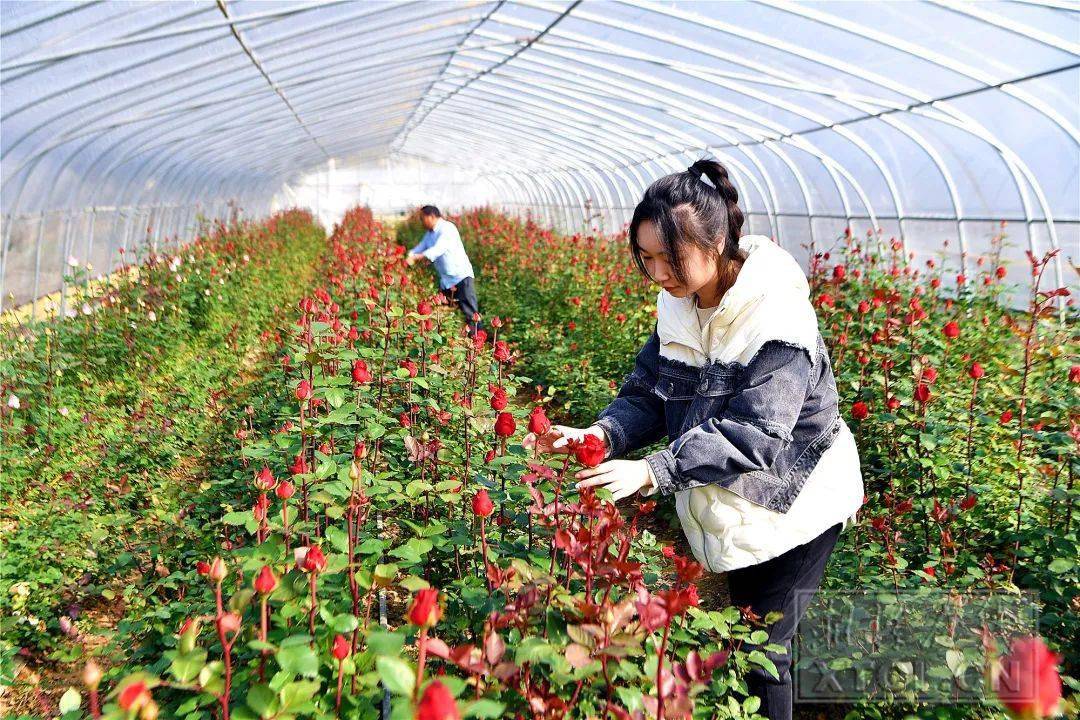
(763,469)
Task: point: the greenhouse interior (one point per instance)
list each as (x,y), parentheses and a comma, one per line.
(540,359)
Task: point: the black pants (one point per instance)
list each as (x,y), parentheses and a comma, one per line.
(464,296)
(772,585)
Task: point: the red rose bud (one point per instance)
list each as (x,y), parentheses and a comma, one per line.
(482,505)
(1006,417)
(424,308)
(1074,374)
(299,466)
(285,490)
(1000,272)
(360,372)
(134,696)
(264,480)
(218,570)
(505,425)
(922,392)
(864,307)
(838,273)
(538,421)
(976,371)
(202,567)
(860,411)
(341,648)
(411,367)
(590,451)
(489,456)
(303,390)
(314,560)
(498,399)
(437,704)
(892,403)
(265,582)
(359,451)
(425,610)
(951,330)
(1028,682)
(502,351)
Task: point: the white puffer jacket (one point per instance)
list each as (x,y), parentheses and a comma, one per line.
(769,301)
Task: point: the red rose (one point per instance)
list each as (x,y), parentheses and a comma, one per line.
(424,308)
(411,367)
(505,425)
(303,390)
(961,279)
(538,421)
(951,330)
(838,273)
(437,704)
(264,480)
(134,696)
(864,307)
(489,456)
(265,582)
(502,351)
(341,648)
(425,610)
(860,411)
(1000,272)
(285,490)
(1006,417)
(482,505)
(1029,685)
(360,372)
(590,451)
(498,399)
(202,567)
(976,371)
(1074,374)
(922,392)
(299,466)
(314,560)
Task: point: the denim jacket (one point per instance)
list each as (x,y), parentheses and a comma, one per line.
(748,404)
(757,430)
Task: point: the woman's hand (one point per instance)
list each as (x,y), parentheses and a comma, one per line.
(556,440)
(622,477)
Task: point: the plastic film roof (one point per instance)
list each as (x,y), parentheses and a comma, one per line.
(123,122)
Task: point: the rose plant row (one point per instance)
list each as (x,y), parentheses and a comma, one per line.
(395,538)
(965,407)
(106,416)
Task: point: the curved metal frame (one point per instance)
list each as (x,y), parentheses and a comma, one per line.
(510,90)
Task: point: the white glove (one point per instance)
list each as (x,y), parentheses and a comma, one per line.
(622,477)
(556,439)
(577,434)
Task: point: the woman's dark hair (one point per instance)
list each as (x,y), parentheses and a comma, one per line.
(684,209)
(430,210)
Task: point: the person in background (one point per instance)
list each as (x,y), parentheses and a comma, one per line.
(442,245)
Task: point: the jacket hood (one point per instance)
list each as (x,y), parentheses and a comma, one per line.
(767,269)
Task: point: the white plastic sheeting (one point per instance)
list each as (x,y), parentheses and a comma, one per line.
(123,123)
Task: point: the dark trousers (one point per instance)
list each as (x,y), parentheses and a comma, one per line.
(464,296)
(770,586)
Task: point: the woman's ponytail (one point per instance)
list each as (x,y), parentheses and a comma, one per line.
(718,175)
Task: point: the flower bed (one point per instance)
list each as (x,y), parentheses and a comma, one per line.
(112,425)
